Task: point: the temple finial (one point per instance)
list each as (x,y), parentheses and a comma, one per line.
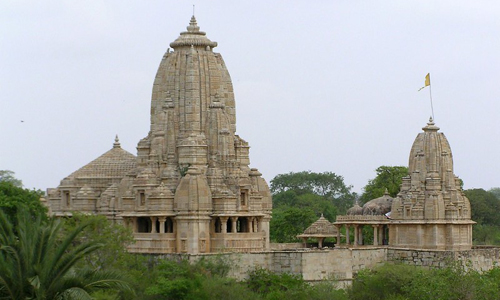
(193,25)
(116,144)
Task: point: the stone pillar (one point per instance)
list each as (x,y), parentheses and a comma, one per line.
(153,224)
(162,224)
(381,235)
(360,231)
(356,235)
(338,234)
(250,224)
(320,242)
(347,235)
(134,225)
(375,235)
(223,222)
(255,224)
(234,221)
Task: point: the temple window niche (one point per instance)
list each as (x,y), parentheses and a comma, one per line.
(218,225)
(244,198)
(66,198)
(142,198)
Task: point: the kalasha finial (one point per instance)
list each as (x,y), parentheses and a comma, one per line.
(193,25)
(116,144)
(431,126)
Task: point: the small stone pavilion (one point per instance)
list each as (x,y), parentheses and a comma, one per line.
(430,211)
(190,188)
(320,230)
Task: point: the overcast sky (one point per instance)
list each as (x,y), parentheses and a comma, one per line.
(319,85)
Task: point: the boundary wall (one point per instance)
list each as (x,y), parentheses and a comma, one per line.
(342,263)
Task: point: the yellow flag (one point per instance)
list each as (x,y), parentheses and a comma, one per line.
(427,81)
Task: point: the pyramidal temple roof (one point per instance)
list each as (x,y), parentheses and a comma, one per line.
(321,227)
(115,163)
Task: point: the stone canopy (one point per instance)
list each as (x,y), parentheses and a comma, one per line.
(320,230)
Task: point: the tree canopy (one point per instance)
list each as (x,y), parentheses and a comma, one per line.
(8,176)
(388,177)
(300,198)
(12,196)
(328,185)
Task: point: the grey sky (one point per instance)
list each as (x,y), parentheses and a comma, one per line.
(319,85)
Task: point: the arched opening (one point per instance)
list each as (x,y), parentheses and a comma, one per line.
(229,225)
(242,224)
(144,224)
(218,226)
(169,225)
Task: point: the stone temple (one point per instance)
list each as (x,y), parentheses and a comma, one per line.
(190,188)
(430,211)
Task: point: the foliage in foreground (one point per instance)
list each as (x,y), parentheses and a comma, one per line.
(418,283)
(207,279)
(36,262)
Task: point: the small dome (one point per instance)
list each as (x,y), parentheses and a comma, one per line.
(378,206)
(355,210)
(193,193)
(85,192)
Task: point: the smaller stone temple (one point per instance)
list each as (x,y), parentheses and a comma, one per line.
(430,211)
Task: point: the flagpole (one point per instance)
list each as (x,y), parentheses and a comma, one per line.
(430,94)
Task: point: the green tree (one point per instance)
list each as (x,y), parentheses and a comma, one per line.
(12,197)
(316,203)
(185,280)
(37,263)
(8,176)
(327,185)
(484,210)
(113,236)
(484,206)
(388,177)
(288,222)
(495,191)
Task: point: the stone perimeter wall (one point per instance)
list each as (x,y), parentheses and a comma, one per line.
(341,264)
(479,258)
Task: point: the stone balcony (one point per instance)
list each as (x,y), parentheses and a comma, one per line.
(153,243)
